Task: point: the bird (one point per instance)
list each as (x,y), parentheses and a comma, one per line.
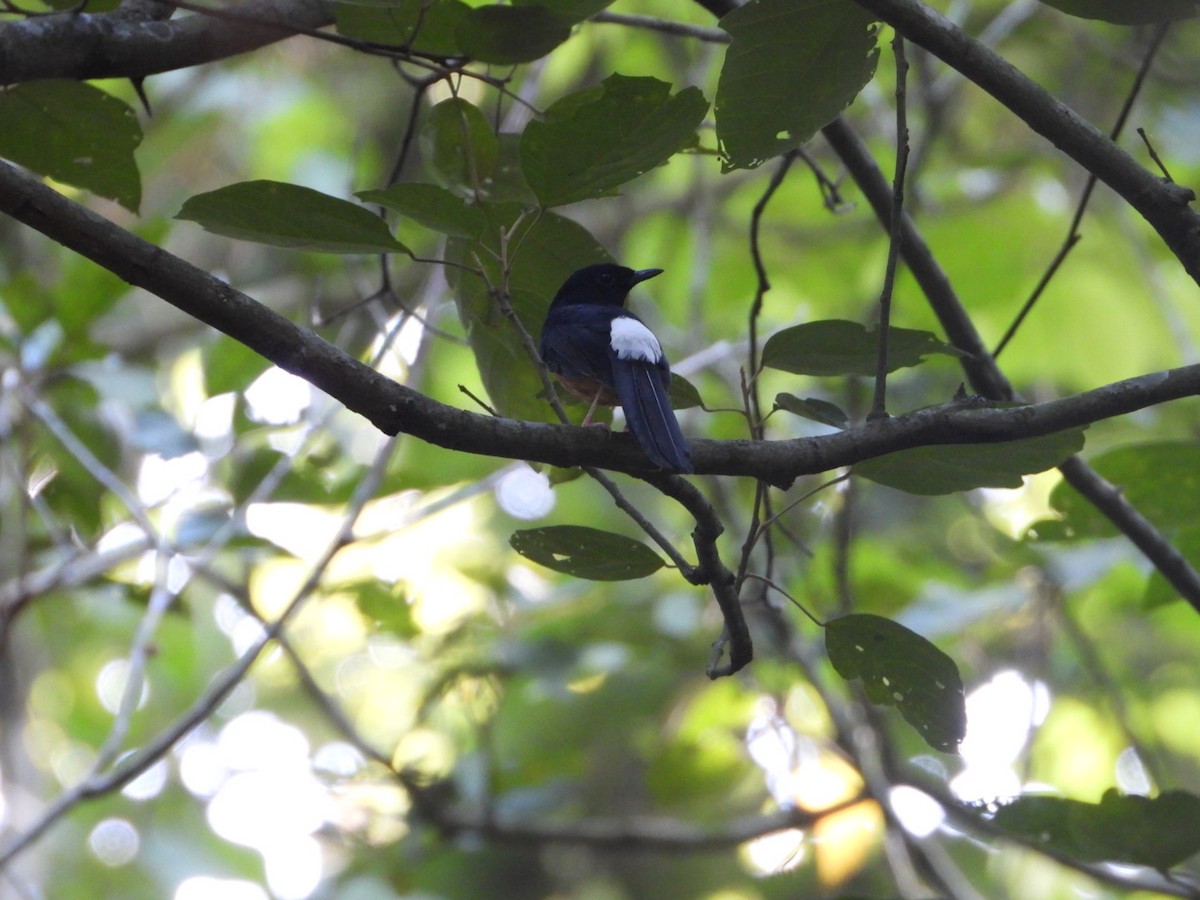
(604,354)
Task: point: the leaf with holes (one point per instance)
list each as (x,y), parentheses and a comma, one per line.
(586,552)
(1160,832)
(900,668)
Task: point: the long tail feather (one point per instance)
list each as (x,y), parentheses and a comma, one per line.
(650,416)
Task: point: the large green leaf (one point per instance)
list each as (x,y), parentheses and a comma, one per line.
(1127,12)
(1160,832)
(592,142)
(74,133)
(511,34)
(1161,480)
(900,668)
(291,216)
(425,26)
(460,145)
(949,468)
(432,206)
(840,347)
(586,552)
(548,248)
(792,67)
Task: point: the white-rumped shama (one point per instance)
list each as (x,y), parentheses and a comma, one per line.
(604,354)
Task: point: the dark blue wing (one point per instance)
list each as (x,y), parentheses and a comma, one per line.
(575,342)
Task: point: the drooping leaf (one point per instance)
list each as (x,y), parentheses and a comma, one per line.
(900,668)
(949,468)
(591,143)
(586,552)
(290,216)
(459,143)
(421,25)
(507,35)
(1160,832)
(813,408)
(792,67)
(74,133)
(551,248)
(432,206)
(1125,12)
(840,347)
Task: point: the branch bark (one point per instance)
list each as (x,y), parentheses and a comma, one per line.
(116,45)
(1161,203)
(394,408)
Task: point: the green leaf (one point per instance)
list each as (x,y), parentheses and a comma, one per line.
(900,668)
(459,143)
(507,35)
(423,26)
(592,142)
(812,408)
(839,347)
(1127,12)
(386,604)
(432,206)
(1160,832)
(1161,480)
(949,468)
(290,216)
(586,552)
(683,393)
(551,248)
(74,133)
(792,67)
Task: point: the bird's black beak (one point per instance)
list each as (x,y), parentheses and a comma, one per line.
(645,274)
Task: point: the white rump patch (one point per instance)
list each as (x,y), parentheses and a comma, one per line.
(631,339)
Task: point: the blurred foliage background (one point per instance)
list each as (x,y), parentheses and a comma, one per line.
(165,492)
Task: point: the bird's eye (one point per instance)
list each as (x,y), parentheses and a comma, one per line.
(606,278)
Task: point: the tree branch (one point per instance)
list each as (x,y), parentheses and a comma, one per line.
(985,375)
(1164,205)
(394,408)
(114,45)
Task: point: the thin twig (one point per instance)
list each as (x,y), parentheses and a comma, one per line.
(1073,236)
(879,405)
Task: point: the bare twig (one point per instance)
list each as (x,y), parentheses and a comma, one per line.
(879,405)
(1073,235)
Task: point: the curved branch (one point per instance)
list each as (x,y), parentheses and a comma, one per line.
(115,45)
(395,409)
(985,375)
(1161,203)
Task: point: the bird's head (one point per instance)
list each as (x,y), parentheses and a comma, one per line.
(604,284)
